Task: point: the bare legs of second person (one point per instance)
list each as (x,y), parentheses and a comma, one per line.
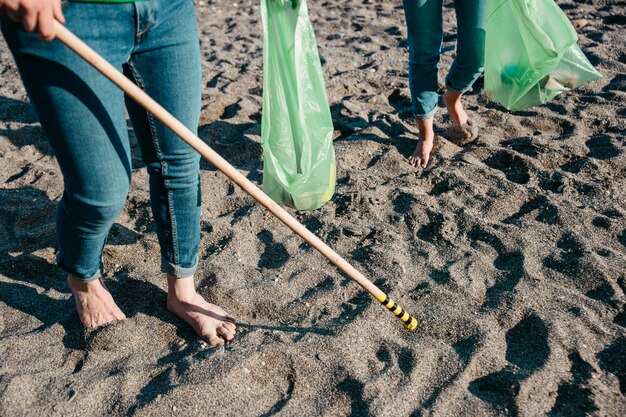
(452,100)
(96,308)
(462,131)
(421,154)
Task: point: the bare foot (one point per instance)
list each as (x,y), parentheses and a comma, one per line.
(452,100)
(94,303)
(209,321)
(421,154)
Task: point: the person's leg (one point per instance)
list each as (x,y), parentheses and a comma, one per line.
(421,153)
(166,64)
(468,64)
(425,34)
(452,101)
(82,114)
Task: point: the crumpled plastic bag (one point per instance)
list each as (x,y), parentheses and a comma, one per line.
(531,53)
(296,126)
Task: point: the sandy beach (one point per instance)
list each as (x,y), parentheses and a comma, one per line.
(510,251)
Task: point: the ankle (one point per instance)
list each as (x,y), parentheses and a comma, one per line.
(426,129)
(427,136)
(77,284)
(180,289)
(452,100)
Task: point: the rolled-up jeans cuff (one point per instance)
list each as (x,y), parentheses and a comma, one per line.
(178,271)
(425,116)
(456,90)
(81,276)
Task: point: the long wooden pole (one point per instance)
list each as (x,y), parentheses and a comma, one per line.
(138,95)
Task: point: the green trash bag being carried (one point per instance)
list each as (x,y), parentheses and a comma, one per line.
(296,128)
(531,53)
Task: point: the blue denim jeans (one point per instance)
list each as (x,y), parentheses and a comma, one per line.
(425,32)
(83,115)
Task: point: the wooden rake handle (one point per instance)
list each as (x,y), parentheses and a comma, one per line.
(138,95)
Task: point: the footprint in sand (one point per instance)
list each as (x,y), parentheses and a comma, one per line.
(275,254)
(602,147)
(544,211)
(613,360)
(568,260)
(353,388)
(573,397)
(509,263)
(513,166)
(405,360)
(527,351)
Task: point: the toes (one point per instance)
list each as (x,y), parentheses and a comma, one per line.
(225,333)
(213,339)
(230,327)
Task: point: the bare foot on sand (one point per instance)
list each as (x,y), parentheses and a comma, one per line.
(209,321)
(462,131)
(94,303)
(452,100)
(425,143)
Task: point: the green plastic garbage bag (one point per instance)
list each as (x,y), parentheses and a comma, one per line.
(296,127)
(531,53)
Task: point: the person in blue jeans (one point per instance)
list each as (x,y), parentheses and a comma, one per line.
(425,34)
(156,44)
